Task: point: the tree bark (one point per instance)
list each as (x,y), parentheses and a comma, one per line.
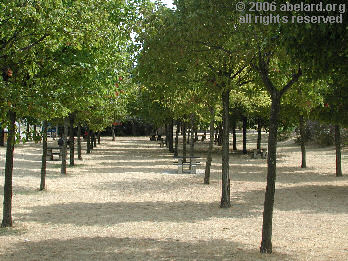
(220,134)
(170,141)
(302,141)
(88,141)
(225,197)
(113,132)
(245,122)
(259,126)
(64,148)
(338,151)
(177,139)
(98,136)
(184,141)
(94,139)
(72,143)
(7,210)
(192,138)
(44,156)
(234,143)
(79,149)
(266,244)
(2,137)
(210,149)
(27,135)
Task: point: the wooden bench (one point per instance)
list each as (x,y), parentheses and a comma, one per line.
(192,164)
(53,151)
(161,143)
(262,153)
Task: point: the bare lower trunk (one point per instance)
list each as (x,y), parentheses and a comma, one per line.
(94,139)
(44,156)
(225,197)
(210,149)
(113,133)
(338,151)
(64,148)
(170,141)
(177,139)
(88,141)
(259,126)
(79,149)
(245,135)
(98,137)
(192,140)
(266,244)
(302,141)
(7,210)
(72,143)
(2,137)
(184,141)
(234,142)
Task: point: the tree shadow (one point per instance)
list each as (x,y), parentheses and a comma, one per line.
(115,248)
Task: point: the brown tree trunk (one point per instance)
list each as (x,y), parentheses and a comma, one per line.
(98,136)
(225,197)
(7,210)
(113,132)
(266,244)
(64,148)
(338,151)
(259,126)
(184,141)
(192,138)
(210,149)
(2,136)
(94,140)
(44,156)
(177,139)
(72,143)
(245,122)
(220,134)
(88,140)
(234,143)
(79,149)
(170,141)
(302,141)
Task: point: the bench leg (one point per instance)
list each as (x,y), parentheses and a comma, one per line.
(193,169)
(180,168)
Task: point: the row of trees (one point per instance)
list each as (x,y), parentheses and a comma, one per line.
(63,62)
(198,63)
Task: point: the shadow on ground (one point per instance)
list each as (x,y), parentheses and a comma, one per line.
(112,248)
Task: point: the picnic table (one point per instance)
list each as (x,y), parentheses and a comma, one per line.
(54,151)
(192,163)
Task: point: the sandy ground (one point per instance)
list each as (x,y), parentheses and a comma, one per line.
(126,202)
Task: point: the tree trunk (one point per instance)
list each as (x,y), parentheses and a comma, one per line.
(177,139)
(64,148)
(184,141)
(113,132)
(7,210)
(302,141)
(259,126)
(27,135)
(225,198)
(72,143)
(98,136)
(79,149)
(338,151)
(245,122)
(266,244)
(94,139)
(2,137)
(35,134)
(170,141)
(234,143)
(44,156)
(220,135)
(210,149)
(192,140)
(88,141)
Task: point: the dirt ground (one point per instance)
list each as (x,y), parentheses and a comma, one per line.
(125,201)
